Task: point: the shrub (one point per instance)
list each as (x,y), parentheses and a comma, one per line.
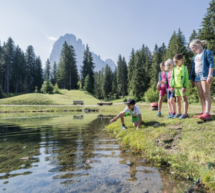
(47,87)
(193,98)
(36,89)
(151,95)
(56,89)
(125,100)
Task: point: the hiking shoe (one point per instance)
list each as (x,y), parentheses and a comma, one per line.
(183,116)
(176,116)
(205,116)
(159,114)
(170,116)
(197,116)
(124,127)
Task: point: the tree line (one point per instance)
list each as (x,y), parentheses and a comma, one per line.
(19,71)
(22,71)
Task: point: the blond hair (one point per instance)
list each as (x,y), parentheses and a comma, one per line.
(169,61)
(197,42)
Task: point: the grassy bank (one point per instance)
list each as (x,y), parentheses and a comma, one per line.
(186,146)
(65,98)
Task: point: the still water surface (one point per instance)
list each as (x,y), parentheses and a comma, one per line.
(73,154)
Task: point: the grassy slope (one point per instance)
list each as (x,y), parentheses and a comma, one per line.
(185,145)
(65,98)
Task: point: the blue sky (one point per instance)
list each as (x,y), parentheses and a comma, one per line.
(110,27)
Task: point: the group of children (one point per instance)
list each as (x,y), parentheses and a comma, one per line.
(173,81)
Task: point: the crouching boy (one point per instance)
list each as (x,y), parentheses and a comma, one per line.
(131,110)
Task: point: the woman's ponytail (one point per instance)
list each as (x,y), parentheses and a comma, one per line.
(204,42)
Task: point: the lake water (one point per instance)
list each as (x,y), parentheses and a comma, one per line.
(68,153)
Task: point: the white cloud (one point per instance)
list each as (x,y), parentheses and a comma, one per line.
(52,38)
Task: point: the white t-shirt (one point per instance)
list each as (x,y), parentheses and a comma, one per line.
(136,110)
(199,63)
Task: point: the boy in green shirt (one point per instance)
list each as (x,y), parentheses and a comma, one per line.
(178,84)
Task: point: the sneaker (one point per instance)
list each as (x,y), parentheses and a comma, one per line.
(183,116)
(159,114)
(205,116)
(176,116)
(197,116)
(124,127)
(170,116)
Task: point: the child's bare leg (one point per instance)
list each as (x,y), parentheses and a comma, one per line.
(172,101)
(170,106)
(179,104)
(185,104)
(160,102)
(207,95)
(122,119)
(135,123)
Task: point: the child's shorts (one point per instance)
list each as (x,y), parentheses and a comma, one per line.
(134,118)
(170,94)
(199,77)
(162,91)
(178,92)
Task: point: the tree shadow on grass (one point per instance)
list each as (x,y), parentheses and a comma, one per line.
(152,123)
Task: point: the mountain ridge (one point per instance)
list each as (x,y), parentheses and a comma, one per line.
(79,50)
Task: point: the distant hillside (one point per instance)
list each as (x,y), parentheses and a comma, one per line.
(65,98)
(79,49)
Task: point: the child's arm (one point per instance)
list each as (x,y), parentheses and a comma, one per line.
(172,81)
(140,121)
(185,81)
(117,117)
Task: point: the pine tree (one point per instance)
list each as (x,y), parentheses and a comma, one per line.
(172,47)
(155,69)
(47,70)
(87,86)
(138,77)
(114,83)
(163,51)
(124,77)
(88,69)
(67,73)
(16,70)
(130,72)
(8,61)
(73,70)
(107,80)
(119,74)
(178,45)
(30,69)
(207,32)
(39,73)
(193,36)
(54,74)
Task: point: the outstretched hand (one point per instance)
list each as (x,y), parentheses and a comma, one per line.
(112,120)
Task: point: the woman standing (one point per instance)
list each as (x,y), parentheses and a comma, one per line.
(202,75)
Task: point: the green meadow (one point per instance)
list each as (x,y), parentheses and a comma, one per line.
(186,147)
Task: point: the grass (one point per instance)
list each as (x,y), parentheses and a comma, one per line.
(188,148)
(65,98)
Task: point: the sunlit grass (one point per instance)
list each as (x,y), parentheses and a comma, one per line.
(195,148)
(65,98)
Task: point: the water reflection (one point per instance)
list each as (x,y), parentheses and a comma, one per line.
(72,154)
